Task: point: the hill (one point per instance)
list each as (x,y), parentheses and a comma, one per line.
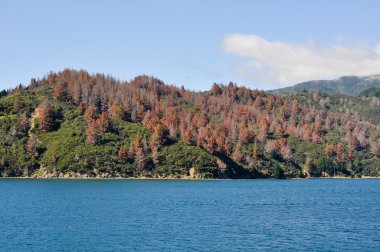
(371,92)
(73,124)
(349,85)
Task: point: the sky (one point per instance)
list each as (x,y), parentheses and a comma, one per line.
(260,44)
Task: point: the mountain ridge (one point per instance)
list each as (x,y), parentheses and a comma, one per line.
(349,85)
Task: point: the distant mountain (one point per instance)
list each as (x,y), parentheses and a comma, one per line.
(349,85)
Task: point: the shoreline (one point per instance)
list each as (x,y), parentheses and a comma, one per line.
(184,178)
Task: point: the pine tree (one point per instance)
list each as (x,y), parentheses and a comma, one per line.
(255,152)
(61,92)
(340,151)
(16,105)
(123,153)
(24,124)
(139,153)
(104,122)
(90,114)
(81,107)
(46,116)
(32,145)
(263,130)
(92,133)
(237,155)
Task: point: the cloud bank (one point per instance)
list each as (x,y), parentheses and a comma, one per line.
(279,63)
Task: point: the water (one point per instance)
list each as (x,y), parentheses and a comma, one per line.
(174,215)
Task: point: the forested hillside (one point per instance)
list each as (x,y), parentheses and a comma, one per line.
(75,124)
(366,108)
(371,92)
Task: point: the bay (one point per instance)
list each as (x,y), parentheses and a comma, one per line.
(188,215)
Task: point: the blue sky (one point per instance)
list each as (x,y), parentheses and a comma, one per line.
(260,44)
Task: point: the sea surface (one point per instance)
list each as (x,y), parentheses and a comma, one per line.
(180,215)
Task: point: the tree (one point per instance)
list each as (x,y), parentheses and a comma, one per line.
(60,91)
(340,151)
(16,105)
(216,90)
(90,114)
(263,130)
(245,134)
(294,110)
(139,153)
(271,148)
(316,135)
(155,158)
(350,155)
(330,150)
(32,145)
(123,153)
(237,155)
(81,107)
(286,151)
(159,135)
(104,122)
(210,144)
(24,124)
(46,116)
(54,160)
(325,164)
(85,163)
(33,83)
(255,152)
(117,112)
(375,148)
(308,133)
(92,133)
(187,136)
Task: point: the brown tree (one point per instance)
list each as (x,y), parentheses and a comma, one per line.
(330,150)
(46,116)
(81,107)
(104,122)
(123,153)
(60,91)
(263,130)
(139,153)
(92,132)
(340,151)
(90,114)
(237,155)
(255,154)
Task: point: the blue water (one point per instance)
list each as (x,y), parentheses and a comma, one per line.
(175,215)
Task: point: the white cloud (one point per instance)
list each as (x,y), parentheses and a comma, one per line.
(279,63)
